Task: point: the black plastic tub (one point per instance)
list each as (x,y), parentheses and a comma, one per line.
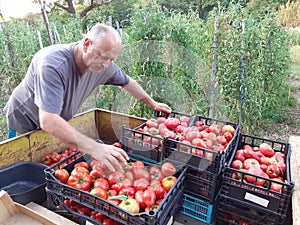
(24,182)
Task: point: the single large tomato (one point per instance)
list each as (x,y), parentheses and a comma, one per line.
(273,171)
(140,199)
(140,173)
(46,159)
(130,191)
(168,182)
(131,205)
(102,183)
(99,192)
(155,173)
(160,192)
(149,197)
(171,123)
(141,184)
(266,149)
(80,179)
(62,175)
(82,164)
(168,169)
(115,177)
(248,163)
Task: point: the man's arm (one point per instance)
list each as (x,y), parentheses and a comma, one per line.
(109,155)
(135,90)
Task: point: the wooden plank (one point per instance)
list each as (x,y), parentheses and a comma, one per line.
(14,213)
(295,171)
(58,219)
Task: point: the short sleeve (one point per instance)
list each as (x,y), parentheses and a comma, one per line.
(49,89)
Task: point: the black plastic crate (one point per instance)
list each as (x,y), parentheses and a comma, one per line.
(235,212)
(202,184)
(58,192)
(144,144)
(57,202)
(209,160)
(260,196)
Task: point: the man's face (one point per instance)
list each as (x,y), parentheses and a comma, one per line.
(99,57)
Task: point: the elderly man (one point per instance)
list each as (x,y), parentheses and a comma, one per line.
(59,79)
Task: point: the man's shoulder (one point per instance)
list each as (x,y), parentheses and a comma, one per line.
(55,53)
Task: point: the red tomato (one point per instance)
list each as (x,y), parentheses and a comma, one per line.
(111,193)
(248,163)
(62,175)
(98,216)
(266,149)
(80,170)
(55,157)
(130,191)
(140,173)
(129,174)
(99,192)
(80,179)
(172,123)
(237,164)
(114,201)
(102,183)
(199,143)
(168,169)
(138,164)
(228,136)
(82,164)
(141,184)
(168,182)
(84,210)
(273,171)
(115,177)
(160,192)
(257,171)
(97,172)
(139,197)
(72,150)
(277,186)
(108,221)
(117,144)
(47,160)
(149,197)
(155,173)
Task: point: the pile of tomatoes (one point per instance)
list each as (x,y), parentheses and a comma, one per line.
(260,161)
(137,188)
(214,137)
(55,157)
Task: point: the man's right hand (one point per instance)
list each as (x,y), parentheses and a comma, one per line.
(113,158)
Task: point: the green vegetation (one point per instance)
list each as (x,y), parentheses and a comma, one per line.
(231,65)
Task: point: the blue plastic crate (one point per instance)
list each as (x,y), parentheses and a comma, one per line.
(199,209)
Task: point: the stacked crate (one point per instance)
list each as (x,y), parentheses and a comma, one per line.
(204,169)
(253,199)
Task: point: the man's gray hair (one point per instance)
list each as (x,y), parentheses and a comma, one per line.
(99,31)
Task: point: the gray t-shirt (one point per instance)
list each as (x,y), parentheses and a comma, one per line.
(53,83)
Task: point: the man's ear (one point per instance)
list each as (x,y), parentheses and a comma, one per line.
(86,43)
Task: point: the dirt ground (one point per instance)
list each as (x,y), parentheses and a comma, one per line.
(282,131)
